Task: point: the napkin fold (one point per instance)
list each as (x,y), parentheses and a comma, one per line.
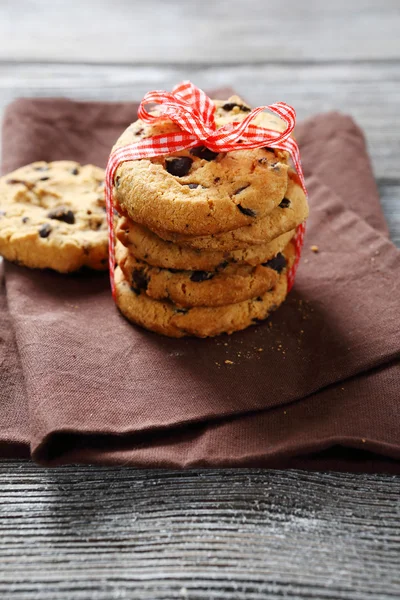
(315,387)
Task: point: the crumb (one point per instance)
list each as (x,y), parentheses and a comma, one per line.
(218,364)
(314,248)
(342,389)
(363,440)
(228,362)
(284,412)
(260,350)
(269,324)
(301,330)
(225,343)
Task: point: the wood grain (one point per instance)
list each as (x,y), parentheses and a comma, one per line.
(81,532)
(199,31)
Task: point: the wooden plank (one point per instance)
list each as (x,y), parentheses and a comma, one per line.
(370,93)
(83,532)
(199,31)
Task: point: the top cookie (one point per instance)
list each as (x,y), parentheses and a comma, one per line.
(52,215)
(196,191)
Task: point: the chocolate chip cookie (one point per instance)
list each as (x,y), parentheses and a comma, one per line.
(149,247)
(52,215)
(168,319)
(229,284)
(292,210)
(199,192)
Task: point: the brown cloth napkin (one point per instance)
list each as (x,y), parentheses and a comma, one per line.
(317,388)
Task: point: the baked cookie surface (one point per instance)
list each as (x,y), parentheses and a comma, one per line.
(229,284)
(168,319)
(149,247)
(196,191)
(52,215)
(292,210)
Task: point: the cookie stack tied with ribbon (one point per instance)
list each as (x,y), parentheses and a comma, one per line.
(211,213)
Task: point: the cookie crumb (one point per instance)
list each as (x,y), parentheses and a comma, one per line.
(229,362)
(363,440)
(314,248)
(260,349)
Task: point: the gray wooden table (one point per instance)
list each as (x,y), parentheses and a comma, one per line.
(85,532)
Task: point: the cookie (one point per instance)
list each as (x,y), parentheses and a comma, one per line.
(52,215)
(292,211)
(196,191)
(168,319)
(231,283)
(149,247)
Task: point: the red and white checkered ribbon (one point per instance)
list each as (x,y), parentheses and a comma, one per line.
(193,111)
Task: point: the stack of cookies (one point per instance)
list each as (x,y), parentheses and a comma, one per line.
(204,240)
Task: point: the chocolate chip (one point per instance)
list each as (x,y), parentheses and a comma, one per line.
(199,276)
(217,179)
(246,211)
(116,181)
(178,166)
(259,299)
(231,105)
(140,281)
(241,189)
(276,167)
(193,186)
(268,149)
(75,171)
(15,181)
(44,178)
(44,168)
(139,131)
(204,153)
(285,203)
(62,214)
(45,230)
(182,311)
(223,265)
(278,263)
(25,219)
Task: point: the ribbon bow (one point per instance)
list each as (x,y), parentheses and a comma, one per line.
(193,111)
